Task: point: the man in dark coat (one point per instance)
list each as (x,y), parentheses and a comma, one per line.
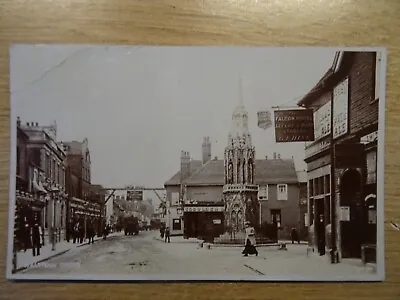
(295,236)
(36,233)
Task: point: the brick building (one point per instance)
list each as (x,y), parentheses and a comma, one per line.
(222,194)
(84,204)
(353,84)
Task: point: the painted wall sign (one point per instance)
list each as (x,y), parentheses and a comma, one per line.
(341,109)
(322,121)
(296,125)
(203,209)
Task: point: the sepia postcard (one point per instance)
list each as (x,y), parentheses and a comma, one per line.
(139,163)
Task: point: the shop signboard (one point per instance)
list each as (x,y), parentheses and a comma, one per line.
(295,125)
(203,209)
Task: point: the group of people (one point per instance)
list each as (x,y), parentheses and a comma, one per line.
(165,234)
(31,236)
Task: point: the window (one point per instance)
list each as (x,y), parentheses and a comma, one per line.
(18,160)
(174,198)
(58,174)
(263,192)
(47,166)
(378,69)
(282,193)
(176,224)
(276,217)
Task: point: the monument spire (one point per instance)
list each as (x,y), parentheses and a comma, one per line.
(240,91)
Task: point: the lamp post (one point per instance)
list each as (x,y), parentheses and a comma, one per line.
(54,190)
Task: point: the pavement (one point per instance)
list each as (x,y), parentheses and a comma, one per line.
(147,255)
(25,259)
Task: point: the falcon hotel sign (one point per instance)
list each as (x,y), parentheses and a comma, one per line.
(296,125)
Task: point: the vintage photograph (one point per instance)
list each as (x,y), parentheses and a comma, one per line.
(143,163)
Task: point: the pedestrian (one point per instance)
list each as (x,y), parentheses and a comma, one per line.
(26,240)
(90,233)
(75,232)
(36,234)
(162,230)
(167,235)
(81,232)
(250,240)
(295,236)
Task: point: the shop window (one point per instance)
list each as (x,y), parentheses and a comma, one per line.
(176,224)
(263,193)
(310,188)
(282,193)
(328,209)
(378,69)
(327,184)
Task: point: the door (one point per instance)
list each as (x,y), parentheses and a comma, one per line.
(352,228)
(320,225)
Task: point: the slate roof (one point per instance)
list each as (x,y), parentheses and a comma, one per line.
(267,171)
(195,165)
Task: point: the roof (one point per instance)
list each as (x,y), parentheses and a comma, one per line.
(302,176)
(340,62)
(267,171)
(194,166)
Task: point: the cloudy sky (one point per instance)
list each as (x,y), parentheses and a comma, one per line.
(140,106)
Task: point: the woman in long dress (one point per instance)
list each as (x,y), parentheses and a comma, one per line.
(250,241)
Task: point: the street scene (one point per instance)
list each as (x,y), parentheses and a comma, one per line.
(189,163)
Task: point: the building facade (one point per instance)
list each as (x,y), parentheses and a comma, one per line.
(213,193)
(85,200)
(352,84)
(47,173)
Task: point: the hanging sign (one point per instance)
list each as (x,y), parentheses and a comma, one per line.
(264,119)
(296,125)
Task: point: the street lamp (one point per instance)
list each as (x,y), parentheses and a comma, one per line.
(54,190)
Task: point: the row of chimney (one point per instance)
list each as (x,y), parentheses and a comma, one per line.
(28,124)
(275,156)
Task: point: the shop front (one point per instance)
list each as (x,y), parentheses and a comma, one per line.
(203,220)
(28,210)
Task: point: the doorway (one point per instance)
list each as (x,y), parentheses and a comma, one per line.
(351,229)
(320,225)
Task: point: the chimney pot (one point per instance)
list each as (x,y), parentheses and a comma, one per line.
(37,123)
(266,156)
(32,124)
(27,123)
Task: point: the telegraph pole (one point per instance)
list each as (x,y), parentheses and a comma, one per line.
(334,251)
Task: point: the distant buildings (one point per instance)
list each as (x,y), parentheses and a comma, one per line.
(223,194)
